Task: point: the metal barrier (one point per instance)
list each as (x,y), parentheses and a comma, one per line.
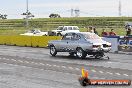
(33,41)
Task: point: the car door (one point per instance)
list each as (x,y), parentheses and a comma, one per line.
(63,46)
(73,43)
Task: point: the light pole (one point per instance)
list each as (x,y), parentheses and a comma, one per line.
(27,14)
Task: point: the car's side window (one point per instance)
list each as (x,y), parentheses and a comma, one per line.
(69,28)
(67,37)
(75,36)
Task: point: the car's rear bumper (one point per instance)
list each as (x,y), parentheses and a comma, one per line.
(99,50)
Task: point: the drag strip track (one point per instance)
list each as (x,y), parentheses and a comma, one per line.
(36,65)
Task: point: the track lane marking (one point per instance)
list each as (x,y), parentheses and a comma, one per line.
(63,66)
(12,59)
(117,73)
(77,69)
(101,71)
(109,73)
(125,74)
(20,61)
(26,61)
(60,66)
(41,63)
(70,67)
(93,70)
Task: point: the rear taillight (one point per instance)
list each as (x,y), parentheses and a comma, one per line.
(108,45)
(105,45)
(96,46)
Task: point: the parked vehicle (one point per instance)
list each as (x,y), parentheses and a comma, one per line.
(80,44)
(35,32)
(62,30)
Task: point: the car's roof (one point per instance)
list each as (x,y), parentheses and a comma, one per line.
(82,32)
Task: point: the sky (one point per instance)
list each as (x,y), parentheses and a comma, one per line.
(43,8)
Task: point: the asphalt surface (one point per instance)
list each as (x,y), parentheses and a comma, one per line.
(26,67)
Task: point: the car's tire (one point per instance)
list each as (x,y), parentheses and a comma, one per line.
(99,56)
(80,53)
(53,51)
(59,34)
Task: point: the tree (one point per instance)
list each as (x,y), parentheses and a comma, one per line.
(54,15)
(3,16)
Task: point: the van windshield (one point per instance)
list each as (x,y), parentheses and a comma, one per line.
(60,28)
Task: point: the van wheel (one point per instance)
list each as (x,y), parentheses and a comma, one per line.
(53,51)
(59,34)
(80,53)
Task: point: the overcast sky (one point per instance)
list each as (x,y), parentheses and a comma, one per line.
(42,8)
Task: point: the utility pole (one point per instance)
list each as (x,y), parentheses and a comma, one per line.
(120,7)
(72,12)
(77,12)
(27,14)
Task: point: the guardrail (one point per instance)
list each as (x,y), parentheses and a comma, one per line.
(31,41)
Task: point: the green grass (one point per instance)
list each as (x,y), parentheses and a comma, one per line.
(17,26)
(118,31)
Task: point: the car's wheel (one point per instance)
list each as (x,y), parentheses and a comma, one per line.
(99,56)
(59,34)
(53,51)
(80,53)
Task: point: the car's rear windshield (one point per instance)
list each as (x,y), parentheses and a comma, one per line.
(91,36)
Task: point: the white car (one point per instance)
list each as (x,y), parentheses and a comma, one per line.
(62,30)
(35,32)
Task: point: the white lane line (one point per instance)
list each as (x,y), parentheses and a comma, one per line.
(63,66)
(3,58)
(57,66)
(42,69)
(70,67)
(77,69)
(47,64)
(125,74)
(117,73)
(32,62)
(95,77)
(109,73)
(54,65)
(101,71)
(7,59)
(20,61)
(36,63)
(13,59)
(93,70)
(26,62)
(41,64)
(109,62)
